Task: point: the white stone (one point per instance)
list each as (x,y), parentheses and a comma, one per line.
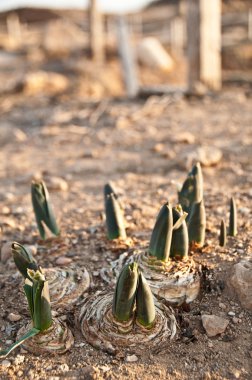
(63,260)
(241,280)
(214,325)
(231,313)
(56,184)
(131,358)
(151,53)
(14,317)
(6,363)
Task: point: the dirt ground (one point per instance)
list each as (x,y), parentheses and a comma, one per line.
(145,148)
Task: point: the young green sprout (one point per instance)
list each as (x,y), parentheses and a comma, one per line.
(161,237)
(223,234)
(197,225)
(108,190)
(114,219)
(76,282)
(23,259)
(37,294)
(145,307)
(192,189)
(125,293)
(232,218)
(180,241)
(128,320)
(166,227)
(43,209)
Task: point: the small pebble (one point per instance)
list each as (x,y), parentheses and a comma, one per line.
(231,313)
(63,260)
(210,344)
(5,252)
(6,363)
(14,317)
(104,368)
(235,320)
(6,210)
(63,367)
(19,359)
(131,358)
(9,341)
(32,249)
(222,306)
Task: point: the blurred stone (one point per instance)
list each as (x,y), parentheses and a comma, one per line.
(44,82)
(6,363)
(131,358)
(32,248)
(184,138)
(10,134)
(56,184)
(241,280)
(151,53)
(214,325)
(63,37)
(14,317)
(6,252)
(63,260)
(206,155)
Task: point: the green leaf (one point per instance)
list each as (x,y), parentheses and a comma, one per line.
(42,317)
(125,293)
(26,336)
(192,189)
(145,307)
(114,219)
(160,242)
(23,259)
(223,234)
(197,224)
(180,241)
(43,209)
(28,289)
(232,218)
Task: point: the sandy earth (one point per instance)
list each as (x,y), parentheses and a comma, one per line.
(143,148)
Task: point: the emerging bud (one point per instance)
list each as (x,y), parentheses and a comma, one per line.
(223,234)
(114,219)
(145,307)
(108,190)
(197,224)
(37,294)
(192,189)
(160,242)
(43,210)
(23,259)
(180,241)
(125,293)
(232,218)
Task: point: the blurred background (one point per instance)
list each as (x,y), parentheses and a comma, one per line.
(97,49)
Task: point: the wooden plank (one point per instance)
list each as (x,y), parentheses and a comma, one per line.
(127,57)
(96,33)
(204,43)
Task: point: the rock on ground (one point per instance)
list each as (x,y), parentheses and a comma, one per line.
(214,325)
(241,281)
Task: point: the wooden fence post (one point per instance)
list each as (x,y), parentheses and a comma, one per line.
(96,32)
(127,57)
(204,43)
